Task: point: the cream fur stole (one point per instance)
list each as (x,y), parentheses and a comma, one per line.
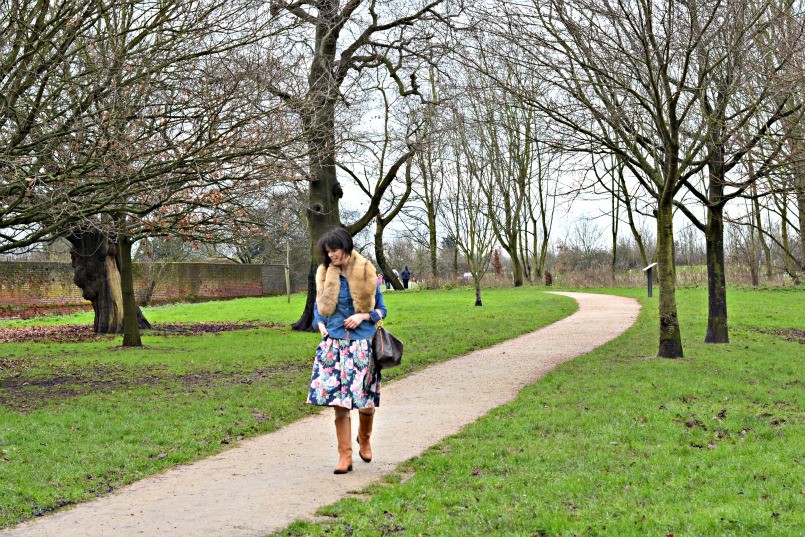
(361,277)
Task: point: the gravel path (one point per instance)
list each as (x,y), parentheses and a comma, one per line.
(267,482)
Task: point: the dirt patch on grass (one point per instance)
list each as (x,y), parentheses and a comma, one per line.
(794,335)
(24,393)
(78,333)
(24,388)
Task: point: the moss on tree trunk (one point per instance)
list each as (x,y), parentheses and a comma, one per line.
(717,328)
(670,334)
(131,326)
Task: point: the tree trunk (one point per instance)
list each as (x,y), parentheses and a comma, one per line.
(536,269)
(380,256)
(717,329)
(131,327)
(614,261)
(478,293)
(790,267)
(543,253)
(318,119)
(525,256)
(799,183)
(305,322)
(95,271)
(433,241)
(322,216)
(754,266)
(323,195)
(753,257)
(615,221)
(517,267)
(759,224)
(670,334)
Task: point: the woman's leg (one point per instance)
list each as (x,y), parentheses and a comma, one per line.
(366,417)
(343,431)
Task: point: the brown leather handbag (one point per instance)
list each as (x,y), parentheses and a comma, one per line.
(386,348)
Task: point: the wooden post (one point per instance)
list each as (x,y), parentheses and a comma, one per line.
(648,270)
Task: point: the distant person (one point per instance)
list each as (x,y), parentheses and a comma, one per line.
(347,307)
(388,282)
(405,275)
(380,281)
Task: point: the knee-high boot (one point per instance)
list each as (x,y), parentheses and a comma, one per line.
(343,431)
(364,432)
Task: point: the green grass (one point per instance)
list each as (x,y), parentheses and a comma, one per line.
(80,419)
(619,442)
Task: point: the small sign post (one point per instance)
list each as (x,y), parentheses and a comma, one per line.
(288,270)
(649,270)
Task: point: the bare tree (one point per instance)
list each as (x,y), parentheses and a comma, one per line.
(464,213)
(744,248)
(634,79)
(541,198)
(630,102)
(380,178)
(746,94)
(781,205)
(115,115)
(507,141)
(331,44)
(611,176)
(77,84)
(757,219)
(430,163)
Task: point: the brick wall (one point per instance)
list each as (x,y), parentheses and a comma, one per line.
(37,284)
(28,284)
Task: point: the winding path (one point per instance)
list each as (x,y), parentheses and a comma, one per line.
(267,482)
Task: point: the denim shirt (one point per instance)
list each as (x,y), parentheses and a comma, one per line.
(345,308)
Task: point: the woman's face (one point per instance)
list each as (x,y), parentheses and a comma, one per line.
(337,257)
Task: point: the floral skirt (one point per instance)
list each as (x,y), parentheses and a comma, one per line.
(344,375)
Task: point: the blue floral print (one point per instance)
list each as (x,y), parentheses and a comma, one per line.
(344,374)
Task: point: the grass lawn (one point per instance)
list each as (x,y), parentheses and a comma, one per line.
(619,442)
(80,419)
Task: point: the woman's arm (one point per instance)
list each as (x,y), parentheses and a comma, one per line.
(319,322)
(380,311)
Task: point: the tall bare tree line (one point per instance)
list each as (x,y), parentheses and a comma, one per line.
(122,120)
(680,92)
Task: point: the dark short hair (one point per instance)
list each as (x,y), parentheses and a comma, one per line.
(335,239)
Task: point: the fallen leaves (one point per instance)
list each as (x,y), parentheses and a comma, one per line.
(68,333)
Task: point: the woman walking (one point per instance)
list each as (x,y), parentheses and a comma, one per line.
(348,304)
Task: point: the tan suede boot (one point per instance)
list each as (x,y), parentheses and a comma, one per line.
(364,432)
(343,431)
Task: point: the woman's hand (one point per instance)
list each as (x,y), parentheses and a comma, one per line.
(354,320)
(323,330)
